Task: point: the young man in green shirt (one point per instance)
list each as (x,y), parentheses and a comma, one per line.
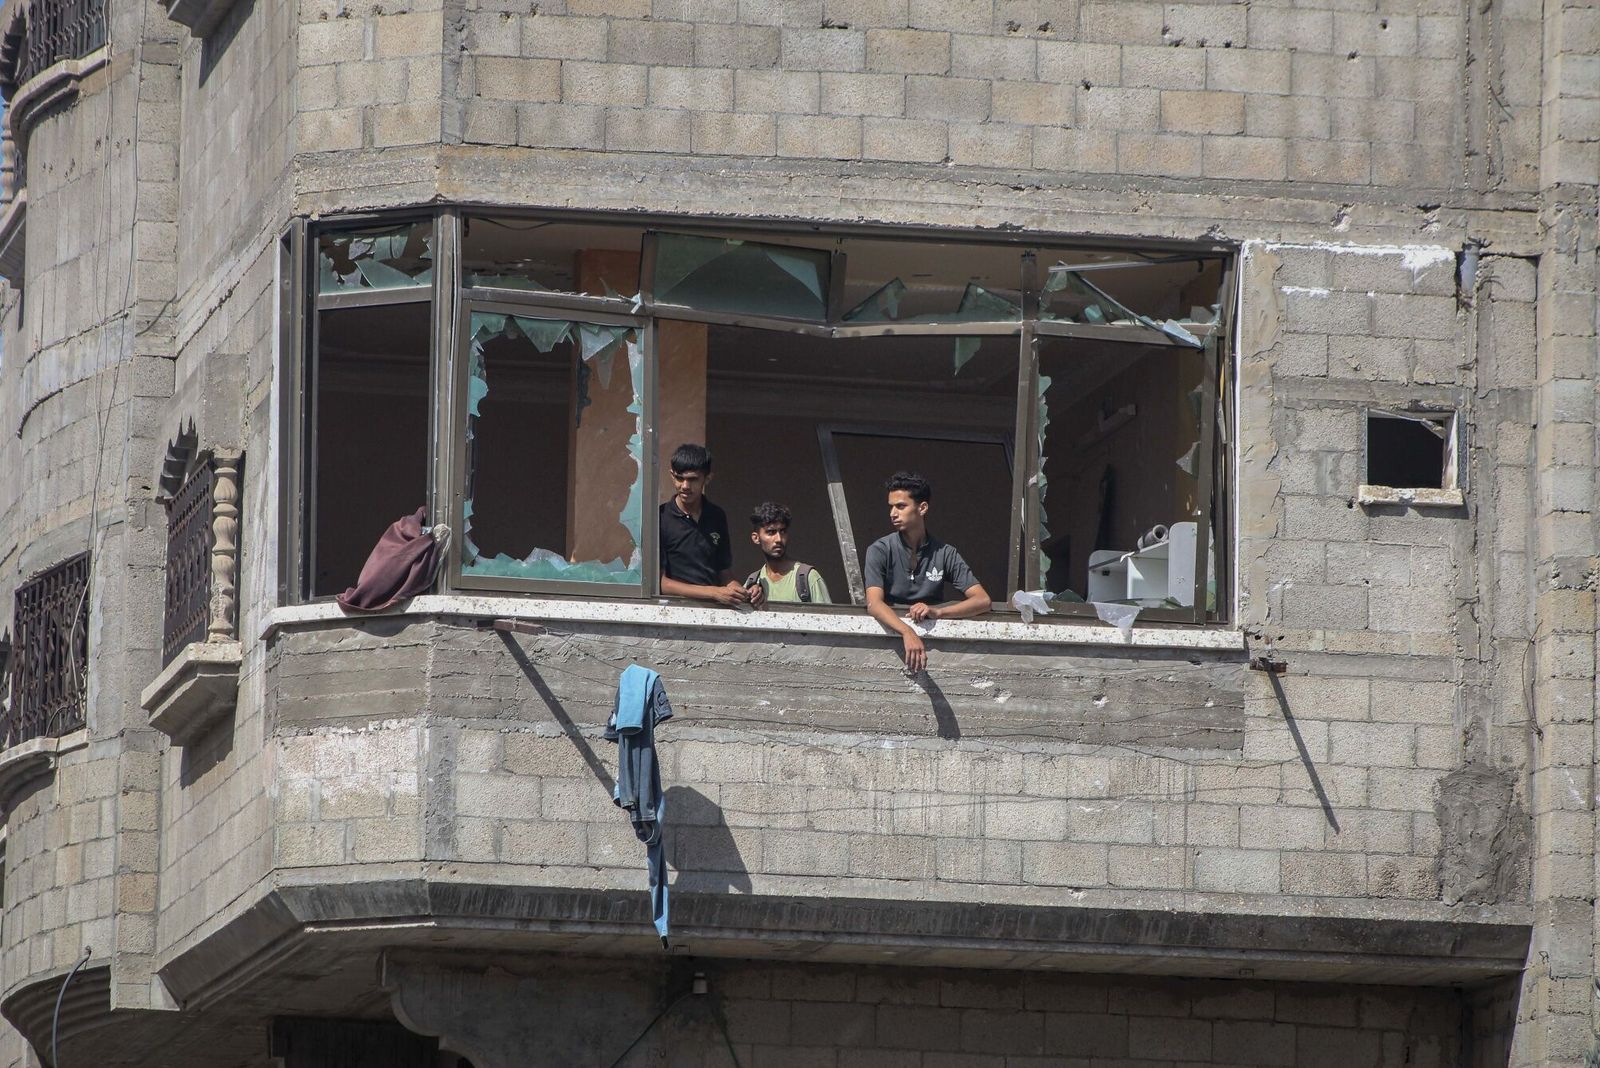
(784,581)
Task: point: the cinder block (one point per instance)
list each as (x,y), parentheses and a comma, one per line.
(863,94)
(604,83)
(957,16)
(1173,155)
(1033,103)
(824,49)
(1247,70)
(999,1032)
(991,145)
(1253,158)
(330,131)
(333,41)
(1163,67)
(416,33)
(560,126)
(947,99)
(491,33)
(907,140)
(1073,63)
(1236,871)
(843,1023)
(1330,162)
(734,135)
(741,46)
(1253,1042)
(864,14)
(779,91)
(1199,25)
(908,51)
(515,79)
(1202,112)
(998,58)
(1119,109)
(691,88)
(651,43)
(819,137)
(918,1027)
(1277,28)
(564,37)
(1064,864)
(1169,1038)
(1148,867)
(1122,21)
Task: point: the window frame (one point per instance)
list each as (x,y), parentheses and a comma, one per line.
(453,301)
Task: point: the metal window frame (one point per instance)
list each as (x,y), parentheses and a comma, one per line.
(452,301)
(645,390)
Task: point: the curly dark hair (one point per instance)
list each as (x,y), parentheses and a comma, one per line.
(768,513)
(912,483)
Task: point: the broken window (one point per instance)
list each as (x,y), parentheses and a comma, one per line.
(544,256)
(733,276)
(891,282)
(376,257)
(1411,450)
(552,463)
(819,424)
(1064,402)
(1120,481)
(369,415)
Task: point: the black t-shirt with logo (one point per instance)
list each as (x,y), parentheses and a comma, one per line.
(696,553)
(907,577)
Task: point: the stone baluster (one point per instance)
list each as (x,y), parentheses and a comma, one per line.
(225,550)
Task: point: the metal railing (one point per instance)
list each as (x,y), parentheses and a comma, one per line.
(50,654)
(54,30)
(190,540)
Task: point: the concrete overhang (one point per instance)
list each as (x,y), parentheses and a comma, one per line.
(23,764)
(199,687)
(330,923)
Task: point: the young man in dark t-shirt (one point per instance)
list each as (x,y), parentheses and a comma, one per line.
(912,567)
(696,553)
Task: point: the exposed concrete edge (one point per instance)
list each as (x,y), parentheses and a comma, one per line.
(414,909)
(199,687)
(85,1005)
(536,609)
(32,759)
(13,240)
(1417,498)
(56,82)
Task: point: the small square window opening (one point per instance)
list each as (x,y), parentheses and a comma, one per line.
(1412,457)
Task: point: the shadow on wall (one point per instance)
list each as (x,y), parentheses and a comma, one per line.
(701,847)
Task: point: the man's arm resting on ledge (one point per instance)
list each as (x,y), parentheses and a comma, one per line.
(730,594)
(916,653)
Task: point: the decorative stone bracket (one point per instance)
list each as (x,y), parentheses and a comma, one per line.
(34,759)
(201,684)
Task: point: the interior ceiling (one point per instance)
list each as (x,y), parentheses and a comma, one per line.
(943,266)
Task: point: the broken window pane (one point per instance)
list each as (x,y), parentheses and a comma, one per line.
(512,253)
(1118,484)
(1119,290)
(725,275)
(892,403)
(369,419)
(554,471)
(930,282)
(381,257)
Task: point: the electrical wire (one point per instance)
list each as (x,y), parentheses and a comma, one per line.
(55,1019)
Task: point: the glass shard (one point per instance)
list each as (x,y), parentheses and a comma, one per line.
(731,276)
(387,257)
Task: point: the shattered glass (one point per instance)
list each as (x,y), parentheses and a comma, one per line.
(553,419)
(1119,433)
(930,282)
(544,256)
(1149,295)
(731,276)
(386,257)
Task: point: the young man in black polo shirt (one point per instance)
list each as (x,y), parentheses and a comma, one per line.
(912,567)
(696,553)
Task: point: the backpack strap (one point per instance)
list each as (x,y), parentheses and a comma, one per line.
(802,582)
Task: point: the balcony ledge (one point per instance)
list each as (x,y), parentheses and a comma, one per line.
(201,16)
(23,763)
(197,689)
(55,83)
(777,623)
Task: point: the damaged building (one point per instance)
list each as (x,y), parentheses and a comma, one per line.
(1249,348)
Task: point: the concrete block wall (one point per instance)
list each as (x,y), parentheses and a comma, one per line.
(1311,92)
(832,1016)
(61,868)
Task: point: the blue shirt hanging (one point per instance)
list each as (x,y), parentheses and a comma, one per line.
(641,705)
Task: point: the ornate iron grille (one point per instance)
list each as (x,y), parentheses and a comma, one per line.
(50,654)
(57,30)
(189,542)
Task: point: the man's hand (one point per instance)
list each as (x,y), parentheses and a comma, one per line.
(922,613)
(733,595)
(916,652)
(758,595)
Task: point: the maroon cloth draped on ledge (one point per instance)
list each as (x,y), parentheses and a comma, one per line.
(401,565)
